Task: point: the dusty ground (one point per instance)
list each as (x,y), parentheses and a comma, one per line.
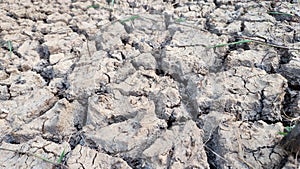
(139,86)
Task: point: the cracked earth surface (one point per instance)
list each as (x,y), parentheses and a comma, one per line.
(138,85)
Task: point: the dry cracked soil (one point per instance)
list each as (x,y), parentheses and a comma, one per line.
(139,84)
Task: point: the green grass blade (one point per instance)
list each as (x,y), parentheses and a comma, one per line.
(9,45)
(279,13)
(288,129)
(61,157)
(180,20)
(282,133)
(43,158)
(129,19)
(232,43)
(112,4)
(95,6)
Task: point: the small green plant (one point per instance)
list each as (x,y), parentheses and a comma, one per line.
(287,129)
(57,164)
